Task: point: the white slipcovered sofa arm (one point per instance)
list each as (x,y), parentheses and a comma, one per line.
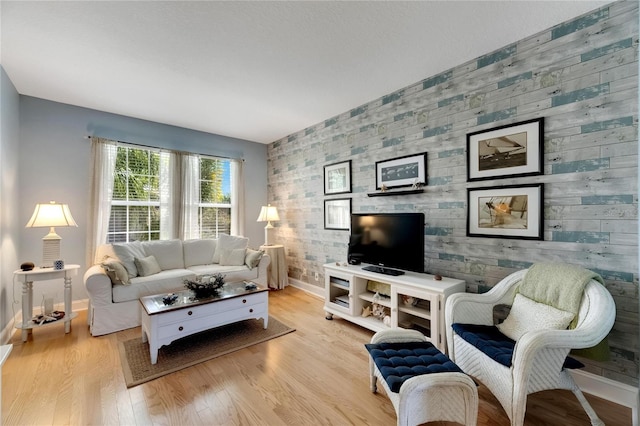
(98,286)
(263,273)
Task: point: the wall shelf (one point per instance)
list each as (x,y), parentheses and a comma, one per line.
(402,192)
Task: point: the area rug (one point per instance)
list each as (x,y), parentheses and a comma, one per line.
(194,349)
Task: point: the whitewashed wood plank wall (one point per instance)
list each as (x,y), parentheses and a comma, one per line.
(582,77)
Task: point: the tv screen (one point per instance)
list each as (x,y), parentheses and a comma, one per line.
(392,240)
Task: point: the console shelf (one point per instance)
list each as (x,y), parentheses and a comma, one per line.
(416,300)
(401,192)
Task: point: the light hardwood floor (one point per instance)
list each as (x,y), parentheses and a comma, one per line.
(317,375)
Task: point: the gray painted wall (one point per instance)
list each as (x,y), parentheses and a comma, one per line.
(582,77)
(10,222)
(54,164)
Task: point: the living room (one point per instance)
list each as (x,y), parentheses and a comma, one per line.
(590,167)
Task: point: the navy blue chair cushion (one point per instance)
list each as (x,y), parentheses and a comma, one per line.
(494,344)
(398,362)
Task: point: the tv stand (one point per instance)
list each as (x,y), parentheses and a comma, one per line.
(416,300)
(383,270)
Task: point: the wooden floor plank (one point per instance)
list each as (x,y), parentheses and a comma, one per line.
(316,375)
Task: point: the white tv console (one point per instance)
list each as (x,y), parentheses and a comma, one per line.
(416,300)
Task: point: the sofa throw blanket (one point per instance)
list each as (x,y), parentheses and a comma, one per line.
(561,285)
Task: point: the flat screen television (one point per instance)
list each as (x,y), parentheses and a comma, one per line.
(390,240)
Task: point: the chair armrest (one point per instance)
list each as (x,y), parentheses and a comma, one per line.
(98,285)
(472,308)
(263,274)
(398,335)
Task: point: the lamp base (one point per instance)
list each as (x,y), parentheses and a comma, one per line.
(50,249)
(267,232)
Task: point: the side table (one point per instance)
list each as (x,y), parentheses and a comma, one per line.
(42,274)
(277,269)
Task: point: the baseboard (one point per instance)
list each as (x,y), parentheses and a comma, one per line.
(314,290)
(610,390)
(9,329)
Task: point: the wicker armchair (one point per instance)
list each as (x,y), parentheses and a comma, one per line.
(538,356)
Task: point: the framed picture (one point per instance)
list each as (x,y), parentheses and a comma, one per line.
(402,171)
(337,178)
(513,150)
(513,211)
(337,214)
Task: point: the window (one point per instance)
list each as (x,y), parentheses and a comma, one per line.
(135,204)
(142,189)
(214,207)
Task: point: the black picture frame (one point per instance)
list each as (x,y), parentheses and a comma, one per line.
(337,178)
(403,171)
(511,211)
(512,150)
(337,214)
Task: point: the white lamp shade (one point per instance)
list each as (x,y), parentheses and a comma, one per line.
(51,215)
(268,213)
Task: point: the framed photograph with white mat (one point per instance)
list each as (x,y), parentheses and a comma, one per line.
(514,150)
(402,171)
(337,178)
(337,214)
(513,211)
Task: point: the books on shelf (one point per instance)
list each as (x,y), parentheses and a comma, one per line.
(342,300)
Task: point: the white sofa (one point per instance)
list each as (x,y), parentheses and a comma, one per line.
(124,272)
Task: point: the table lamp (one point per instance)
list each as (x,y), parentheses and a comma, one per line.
(51,215)
(268,214)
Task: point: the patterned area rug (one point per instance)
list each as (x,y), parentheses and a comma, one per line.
(192,350)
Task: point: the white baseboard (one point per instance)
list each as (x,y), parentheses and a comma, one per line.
(610,390)
(314,290)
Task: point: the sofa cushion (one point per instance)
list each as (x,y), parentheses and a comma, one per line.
(490,341)
(115,270)
(229,242)
(162,282)
(147,266)
(399,362)
(168,253)
(528,315)
(233,257)
(252,258)
(126,253)
(198,252)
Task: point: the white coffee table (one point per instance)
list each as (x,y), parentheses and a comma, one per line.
(162,324)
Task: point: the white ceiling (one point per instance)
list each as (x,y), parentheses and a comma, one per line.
(255,70)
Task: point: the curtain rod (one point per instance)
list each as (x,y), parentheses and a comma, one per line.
(89,137)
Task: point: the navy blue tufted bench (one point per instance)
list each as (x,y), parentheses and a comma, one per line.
(399,362)
(423,384)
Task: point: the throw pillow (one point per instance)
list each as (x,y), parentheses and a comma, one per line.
(229,242)
(126,253)
(528,315)
(115,270)
(252,259)
(234,257)
(147,266)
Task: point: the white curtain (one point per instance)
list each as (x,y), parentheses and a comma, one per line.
(190,199)
(103,157)
(237,197)
(169,195)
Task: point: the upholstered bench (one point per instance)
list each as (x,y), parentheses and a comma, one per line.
(423,384)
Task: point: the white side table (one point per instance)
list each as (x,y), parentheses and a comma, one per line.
(277,269)
(42,274)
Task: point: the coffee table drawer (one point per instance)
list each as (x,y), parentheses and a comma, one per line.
(211,308)
(186,327)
